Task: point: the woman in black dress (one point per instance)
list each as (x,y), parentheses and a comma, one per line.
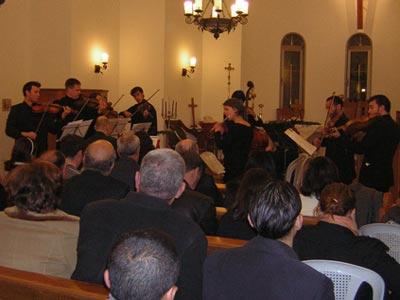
(234,137)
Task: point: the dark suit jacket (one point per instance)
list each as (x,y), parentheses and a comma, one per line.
(206,186)
(262,269)
(97,135)
(199,208)
(103,221)
(87,187)
(125,170)
(336,242)
(237,229)
(378,147)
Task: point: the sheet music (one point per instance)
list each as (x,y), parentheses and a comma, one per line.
(79,128)
(300,141)
(212,163)
(141,127)
(119,125)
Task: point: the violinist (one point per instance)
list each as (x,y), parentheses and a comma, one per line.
(142,112)
(252,118)
(379,144)
(337,144)
(24,121)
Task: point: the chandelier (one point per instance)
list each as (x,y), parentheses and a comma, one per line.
(216,17)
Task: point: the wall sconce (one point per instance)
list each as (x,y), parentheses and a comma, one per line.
(99,68)
(192,66)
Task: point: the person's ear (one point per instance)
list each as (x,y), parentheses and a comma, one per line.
(170,294)
(137,181)
(250,221)
(180,190)
(298,223)
(106,277)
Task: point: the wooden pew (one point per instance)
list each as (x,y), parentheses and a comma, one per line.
(21,285)
(220,211)
(221,243)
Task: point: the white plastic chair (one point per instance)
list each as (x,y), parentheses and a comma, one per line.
(347,278)
(387,233)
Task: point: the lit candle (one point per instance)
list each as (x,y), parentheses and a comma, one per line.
(245,7)
(234,10)
(104,57)
(198,5)
(218,5)
(193,62)
(214,13)
(188,6)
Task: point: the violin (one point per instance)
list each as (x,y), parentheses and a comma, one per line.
(51,108)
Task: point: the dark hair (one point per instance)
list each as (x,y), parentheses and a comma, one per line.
(236,104)
(192,160)
(239,94)
(337,199)
(253,180)
(71,144)
(136,89)
(28,86)
(71,82)
(274,208)
(21,152)
(55,157)
(263,160)
(381,100)
(320,172)
(146,144)
(35,187)
(143,264)
(336,100)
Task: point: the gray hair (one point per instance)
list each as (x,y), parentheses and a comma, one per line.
(161,173)
(128,144)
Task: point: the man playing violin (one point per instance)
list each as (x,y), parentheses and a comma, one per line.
(142,112)
(337,144)
(378,145)
(24,121)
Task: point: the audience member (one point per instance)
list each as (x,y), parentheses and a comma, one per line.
(143,264)
(192,204)
(158,182)
(103,130)
(56,157)
(72,146)
(21,153)
(335,238)
(320,172)
(266,267)
(95,182)
(126,166)
(393,215)
(146,144)
(35,235)
(234,223)
(206,184)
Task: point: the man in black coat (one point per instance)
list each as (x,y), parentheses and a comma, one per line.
(158,182)
(266,267)
(102,131)
(378,145)
(95,182)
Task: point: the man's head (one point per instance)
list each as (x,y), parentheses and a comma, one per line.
(103,125)
(73,88)
(72,146)
(128,145)
(194,168)
(31,91)
(274,210)
(143,264)
(334,104)
(378,105)
(137,93)
(99,156)
(55,157)
(186,145)
(161,174)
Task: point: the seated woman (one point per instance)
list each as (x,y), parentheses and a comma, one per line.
(234,137)
(335,238)
(234,223)
(320,172)
(35,236)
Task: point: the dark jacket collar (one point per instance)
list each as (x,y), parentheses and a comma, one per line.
(334,229)
(275,247)
(147,201)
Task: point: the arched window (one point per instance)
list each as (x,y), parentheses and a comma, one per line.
(292,71)
(358,70)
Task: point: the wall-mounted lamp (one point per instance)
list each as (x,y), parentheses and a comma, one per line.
(192,66)
(99,68)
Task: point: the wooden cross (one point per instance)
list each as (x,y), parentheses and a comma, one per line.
(229,68)
(192,107)
(360,14)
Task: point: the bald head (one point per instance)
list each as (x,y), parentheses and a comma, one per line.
(100,156)
(187,145)
(103,125)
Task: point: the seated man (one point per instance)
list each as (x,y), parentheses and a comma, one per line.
(143,264)
(56,157)
(95,182)
(192,204)
(206,184)
(72,146)
(103,131)
(158,182)
(126,165)
(266,267)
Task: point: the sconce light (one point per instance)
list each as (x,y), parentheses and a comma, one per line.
(192,66)
(99,68)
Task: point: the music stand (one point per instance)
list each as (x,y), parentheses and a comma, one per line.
(78,128)
(141,127)
(119,125)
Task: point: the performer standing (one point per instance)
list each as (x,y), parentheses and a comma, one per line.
(234,137)
(337,145)
(142,112)
(22,121)
(378,145)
